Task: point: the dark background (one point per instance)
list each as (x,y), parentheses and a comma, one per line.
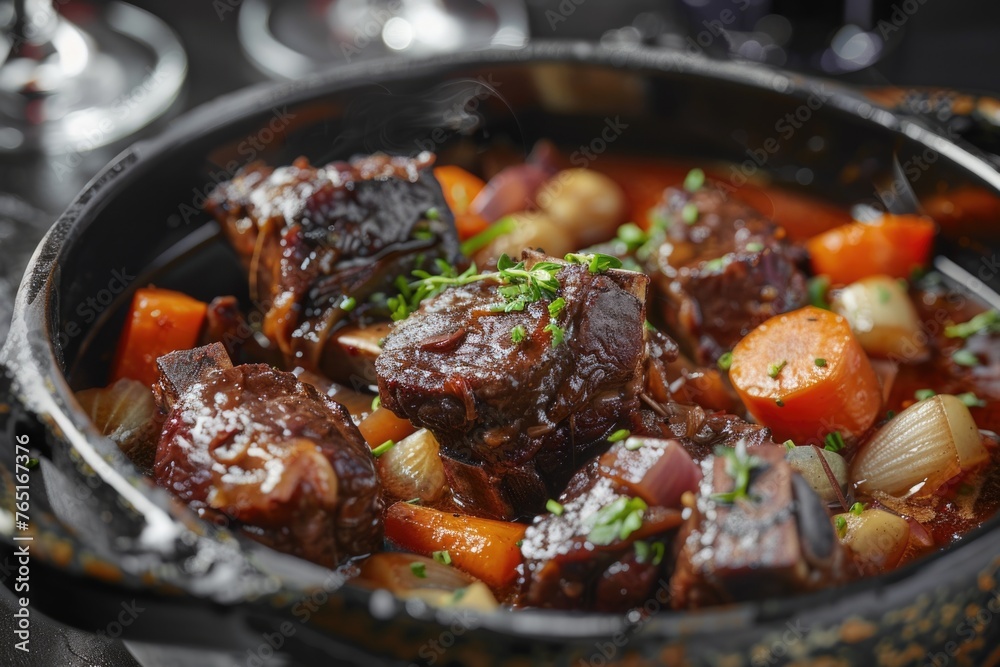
(954,44)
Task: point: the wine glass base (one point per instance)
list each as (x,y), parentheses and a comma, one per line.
(126,69)
(289,39)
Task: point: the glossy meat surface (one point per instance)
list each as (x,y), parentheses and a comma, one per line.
(280,459)
(311,237)
(719,275)
(515,420)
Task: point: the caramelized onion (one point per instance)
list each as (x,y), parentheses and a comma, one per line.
(586,204)
(413,468)
(512,189)
(126,412)
(920,449)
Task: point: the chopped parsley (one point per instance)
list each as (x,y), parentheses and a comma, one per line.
(432,213)
(348,304)
(554,507)
(419,570)
(821,362)
(857,509)
(921,394)
(616,521)
(632,236)
(517,334)
(442,557)
(649,553)
(754,247)
(789,444)
(376,403)
(556,307)
(558,333)
(840,522)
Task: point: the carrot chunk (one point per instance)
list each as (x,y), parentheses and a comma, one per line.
(485,548)
(460,188)
(805,375)
(382,425)
(160,321)
(894,245)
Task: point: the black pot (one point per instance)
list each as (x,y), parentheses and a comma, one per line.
(104,536)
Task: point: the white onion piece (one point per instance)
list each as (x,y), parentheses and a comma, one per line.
(126,412)
(882,318)
(512,189)
(413,468)
(439,585)
(877,538)
(920,449)
(588,205)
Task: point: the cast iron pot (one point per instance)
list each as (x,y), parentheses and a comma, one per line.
(102,535)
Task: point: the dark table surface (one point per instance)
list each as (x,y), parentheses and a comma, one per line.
(953,44)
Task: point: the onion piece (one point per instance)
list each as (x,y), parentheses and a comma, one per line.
(531,229)
(586,204)
(920,449)
(126,412)
(805,460)
(413,468)
(877,538)
(412,576)
(882,318)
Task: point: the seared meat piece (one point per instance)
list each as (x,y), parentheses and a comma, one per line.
(579,559)
(776,541)
(311,237)
(672,377)
(269,452)
(716,278)
(515,420)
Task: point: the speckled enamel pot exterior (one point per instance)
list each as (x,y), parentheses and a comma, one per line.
(104,535)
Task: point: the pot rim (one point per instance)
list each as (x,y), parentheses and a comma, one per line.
(45,391)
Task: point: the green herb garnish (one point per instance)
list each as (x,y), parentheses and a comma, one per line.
(965,357)
(821,362)
(634,444)
(725,361)
(442,557)
(988,321)
(840,521)
(689,214)
(857,509)
(376,403)
(921,394)
(632,236)
(383,448)
(554,507)
(789,445)
(739,465)
(596,262)
(970,400)
(754,247)
(619,435)
(558,333)
(432,213)
(616,521)
(419,570)
(775,369)
(834,442)
(817,288)
(556,307)
(694,180)
(499,228)
(348,304)
(517,334)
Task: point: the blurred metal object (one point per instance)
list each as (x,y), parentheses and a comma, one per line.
(292,38)
(73,84)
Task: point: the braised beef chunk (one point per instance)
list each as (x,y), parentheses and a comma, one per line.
(605,550)
(271,453)
(516,419)
(312,238)
(722,270)
(775,540)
